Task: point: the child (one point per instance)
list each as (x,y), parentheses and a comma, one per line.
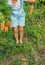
(18,17)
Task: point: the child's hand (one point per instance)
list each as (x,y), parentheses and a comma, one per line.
(32,1)
(13,2)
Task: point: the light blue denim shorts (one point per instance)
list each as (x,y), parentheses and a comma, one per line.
(17,20)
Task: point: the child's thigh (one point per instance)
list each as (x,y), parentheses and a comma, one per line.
(22,21)
(14,21)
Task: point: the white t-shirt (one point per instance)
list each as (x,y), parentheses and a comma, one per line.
(16,6)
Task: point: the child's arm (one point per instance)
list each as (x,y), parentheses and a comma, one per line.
(31,1)
(9,3)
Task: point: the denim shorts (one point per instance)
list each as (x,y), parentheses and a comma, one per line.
(17,20)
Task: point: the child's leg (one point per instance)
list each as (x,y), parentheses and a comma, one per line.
(16,34)
(21,33)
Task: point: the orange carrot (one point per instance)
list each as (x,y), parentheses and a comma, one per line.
(10,24)
(31,9)
(3,25)
(6,28)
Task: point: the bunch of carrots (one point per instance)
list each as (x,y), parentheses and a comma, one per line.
(6,25)
(32,7)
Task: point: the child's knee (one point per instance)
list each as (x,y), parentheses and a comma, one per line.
(15,29)
(21,28)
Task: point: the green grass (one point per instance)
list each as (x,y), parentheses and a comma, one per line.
(33,47)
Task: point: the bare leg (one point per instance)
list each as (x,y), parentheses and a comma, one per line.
(16,34)
(21,33)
